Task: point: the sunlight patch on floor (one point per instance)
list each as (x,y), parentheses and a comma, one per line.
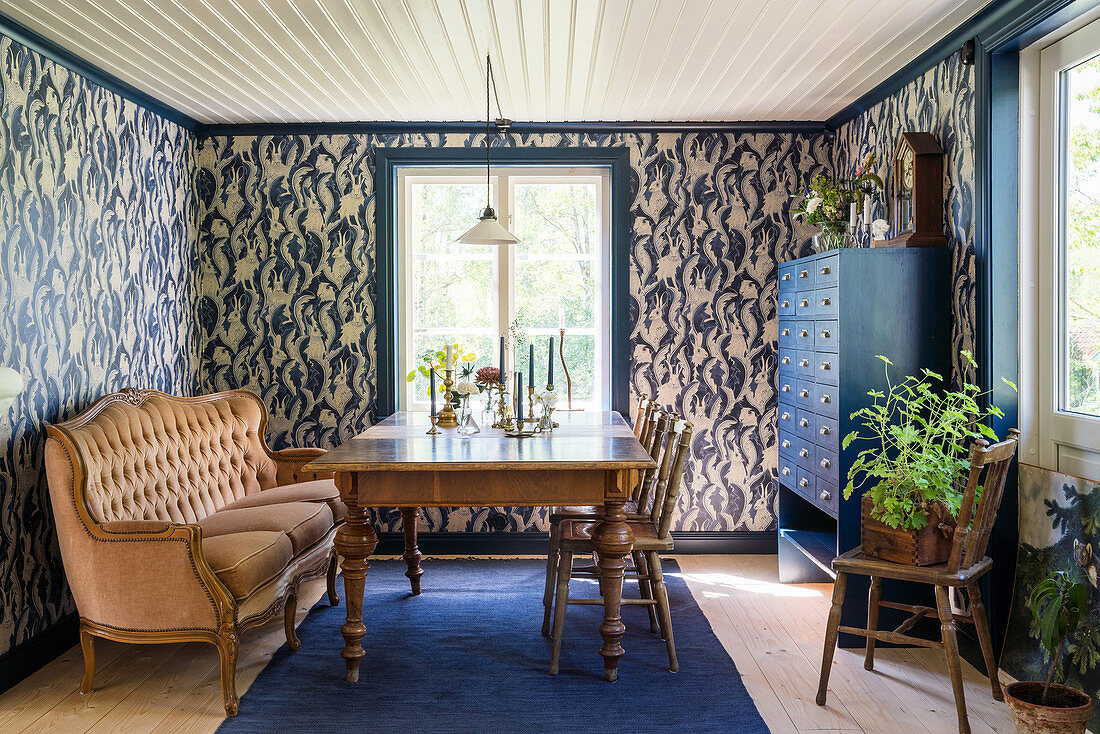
(716,582)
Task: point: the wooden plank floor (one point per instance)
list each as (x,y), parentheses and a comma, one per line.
(773,632)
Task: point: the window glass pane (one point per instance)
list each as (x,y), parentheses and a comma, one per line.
(441,212)
(449,292)
(556,218)
(549,289)
(1081,243)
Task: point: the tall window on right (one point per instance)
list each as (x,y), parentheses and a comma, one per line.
(1069,252)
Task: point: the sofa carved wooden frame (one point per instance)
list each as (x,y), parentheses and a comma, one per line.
(226,634)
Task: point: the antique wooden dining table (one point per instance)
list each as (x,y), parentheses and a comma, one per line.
(591,458)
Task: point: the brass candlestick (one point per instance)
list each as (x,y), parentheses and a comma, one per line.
(447,417)
(503,419)
(531,405)
(568,382)
(435,431)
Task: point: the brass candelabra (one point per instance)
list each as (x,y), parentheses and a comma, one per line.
(504,418)
(447,417)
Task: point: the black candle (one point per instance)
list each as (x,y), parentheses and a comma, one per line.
(502,380)
(550,367)
(431,388)
(531,366)
(519,398)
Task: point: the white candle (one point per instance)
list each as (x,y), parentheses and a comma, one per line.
(448,356)
(867,209)
(561,317)
(852,215)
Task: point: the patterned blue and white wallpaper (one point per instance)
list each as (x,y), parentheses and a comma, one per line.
(286,284)
(940,101)
(97,246)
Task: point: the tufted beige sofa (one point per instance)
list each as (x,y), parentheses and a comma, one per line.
(177,523)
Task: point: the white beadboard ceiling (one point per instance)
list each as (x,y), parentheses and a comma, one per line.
(235,61)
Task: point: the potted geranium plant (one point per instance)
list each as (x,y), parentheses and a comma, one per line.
(914,471)
(1045,707)
(827,204)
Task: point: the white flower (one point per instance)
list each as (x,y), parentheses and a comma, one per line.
(813,204)
(466,388)
(547,399)
(879,228)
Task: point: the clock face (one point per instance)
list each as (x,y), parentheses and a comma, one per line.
(905,165)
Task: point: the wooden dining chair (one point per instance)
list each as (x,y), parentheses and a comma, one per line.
(652,536)
(965,566)
(646,428)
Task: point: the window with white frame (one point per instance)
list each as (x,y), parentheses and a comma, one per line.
(1066,246)
(556,277)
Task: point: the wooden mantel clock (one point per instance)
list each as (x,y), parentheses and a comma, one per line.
(916,193)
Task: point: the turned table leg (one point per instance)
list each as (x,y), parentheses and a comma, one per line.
(412,554)
(613,540)
(355,541)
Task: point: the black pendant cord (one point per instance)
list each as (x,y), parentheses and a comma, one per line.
(488,77)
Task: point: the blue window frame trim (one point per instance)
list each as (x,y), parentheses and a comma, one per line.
(388,160)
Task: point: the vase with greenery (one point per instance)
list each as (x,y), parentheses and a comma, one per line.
(463,360)
(827,203)
(917,438)
(1056,604)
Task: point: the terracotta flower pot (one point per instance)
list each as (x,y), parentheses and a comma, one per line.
(1069,712)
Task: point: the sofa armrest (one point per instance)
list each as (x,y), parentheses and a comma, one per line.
(289,463)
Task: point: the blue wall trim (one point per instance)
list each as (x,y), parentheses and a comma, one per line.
(688,542)
(1001,19)
(429,127)
(387,161)
(21,34)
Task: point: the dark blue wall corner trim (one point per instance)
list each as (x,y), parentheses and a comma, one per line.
(1000,20)
(25,36)
(429,127)
(23,660)
(688,542)
(388,160)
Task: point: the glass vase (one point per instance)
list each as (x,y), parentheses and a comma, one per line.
(832,239)
(467,426)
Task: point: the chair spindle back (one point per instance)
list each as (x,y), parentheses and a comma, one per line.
(640,414)
(653,443)
(671,474)
(975,525)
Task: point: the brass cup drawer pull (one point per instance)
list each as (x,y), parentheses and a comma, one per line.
(804,363)
(825,301)
(786,276)
(786,472)
(786,332)
(825,334)
(786,416)
(786,388)
(786,304)
(804,394)
(826,399)
(826,496)
(804,423)
(825,463)
(786,360)
(804,303)
(803,482)
(786,444)
(804,453)
(825,270)
(826,366)
(804,274)
(824,430)
(803,333)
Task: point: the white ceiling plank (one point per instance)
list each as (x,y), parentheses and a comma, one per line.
(226,61)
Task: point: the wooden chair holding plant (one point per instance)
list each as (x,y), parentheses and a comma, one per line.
(923,524)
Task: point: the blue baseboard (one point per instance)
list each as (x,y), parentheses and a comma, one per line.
(483,544)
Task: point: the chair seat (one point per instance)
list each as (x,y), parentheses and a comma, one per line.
(587,512)
(304,523)
(246,561)
(319,490)
(855,562)
(576,535)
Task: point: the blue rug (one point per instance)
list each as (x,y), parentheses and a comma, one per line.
(467,655)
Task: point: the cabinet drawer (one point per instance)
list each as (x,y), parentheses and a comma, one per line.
(804,304)
(786,303)
(804,394)
(826,271)
(787,441)
(804,454)
(825,302)
(827,464)
(787,472)
(786,278)
(825,400)
(826,368)
(804,365)
(826,432)
(804,275)
(786,332)
(788,388)
(787,419)
(826,496)
(804,334)
(825,335)
(790,358)
(804,424)
(804,483)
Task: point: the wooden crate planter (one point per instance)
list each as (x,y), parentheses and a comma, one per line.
(926,547)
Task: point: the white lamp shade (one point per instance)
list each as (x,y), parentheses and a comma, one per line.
(11,384)
(488,231)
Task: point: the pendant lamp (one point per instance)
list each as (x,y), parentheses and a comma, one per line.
(488,230)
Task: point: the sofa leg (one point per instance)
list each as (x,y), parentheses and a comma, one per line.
(227,651)
(87,646)
(333,568)
(290,608)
